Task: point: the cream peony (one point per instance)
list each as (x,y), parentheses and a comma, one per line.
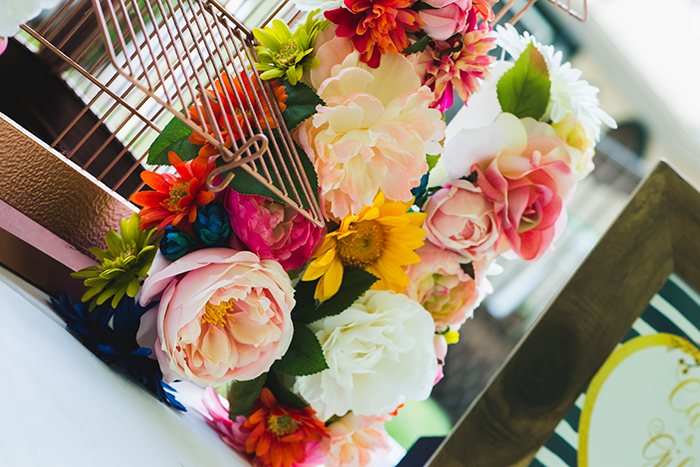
(378,351)
(372,134)
(223,315)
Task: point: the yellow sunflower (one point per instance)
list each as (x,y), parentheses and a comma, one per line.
(380,240)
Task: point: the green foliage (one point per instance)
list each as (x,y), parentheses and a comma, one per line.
(524,90)
(418,46)
(127,259)
(242,395)
(283,395)
(301,103)
(355,283)
(174,137)
(245,183)
(305,355)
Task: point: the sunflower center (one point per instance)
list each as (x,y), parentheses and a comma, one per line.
(178,191)
(363,247)
(282,426)
(216,314)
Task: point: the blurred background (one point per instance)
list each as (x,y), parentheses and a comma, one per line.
(644,56)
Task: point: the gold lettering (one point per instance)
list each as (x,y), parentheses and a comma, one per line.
(692,412)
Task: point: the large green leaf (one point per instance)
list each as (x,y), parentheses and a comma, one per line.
(524,90)
(243,182)
(304,356)
(418,46)
(174,137)
(283,395)
(355,283)
(243,394)
(301,104)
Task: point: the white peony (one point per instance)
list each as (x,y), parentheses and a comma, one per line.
(16,12)
(378,351)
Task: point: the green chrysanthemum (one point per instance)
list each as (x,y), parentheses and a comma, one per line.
(285,54)
(127,260)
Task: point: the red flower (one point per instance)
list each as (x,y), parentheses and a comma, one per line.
(484,10)
(225,104)
(176,197)
(376,26)
(279,434)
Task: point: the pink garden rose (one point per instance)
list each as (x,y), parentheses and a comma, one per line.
(525,169)
(460,218)
(448,18)
(271,230)
(440,284)
(356,441)
(223,315)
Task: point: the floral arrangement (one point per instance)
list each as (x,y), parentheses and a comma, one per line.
(318,335)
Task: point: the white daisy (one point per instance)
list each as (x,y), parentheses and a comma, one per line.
(569,94)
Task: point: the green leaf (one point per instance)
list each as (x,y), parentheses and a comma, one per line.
(418,46)
(174,137)
(245,183)
(355,283)
(243,394)
(524,90)
(468,269)
(301,104)
(304,296)
(304,356)
(283,395)
(432,161)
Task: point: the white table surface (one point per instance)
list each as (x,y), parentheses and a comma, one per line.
(60,405)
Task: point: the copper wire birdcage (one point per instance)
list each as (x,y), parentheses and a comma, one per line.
(162,58)
(566,6)
(138,63)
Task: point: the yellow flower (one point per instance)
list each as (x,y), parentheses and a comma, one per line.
(380,240)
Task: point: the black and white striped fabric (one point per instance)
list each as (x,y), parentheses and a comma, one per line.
(675,309)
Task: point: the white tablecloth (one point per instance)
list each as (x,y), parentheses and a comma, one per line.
(62,406)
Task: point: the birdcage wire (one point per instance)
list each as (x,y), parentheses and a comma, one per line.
(184,58)
(566,6)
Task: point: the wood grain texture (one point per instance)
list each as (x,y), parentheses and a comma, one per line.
(658,231)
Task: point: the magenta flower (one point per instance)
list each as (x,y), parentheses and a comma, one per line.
(461,70)
(271,230)
(229,430)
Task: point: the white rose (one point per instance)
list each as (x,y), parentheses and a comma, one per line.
(16,12)
(378,351)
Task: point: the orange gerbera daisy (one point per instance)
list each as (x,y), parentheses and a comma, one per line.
(376,26)
(226,103)
(278,434)
(176,197)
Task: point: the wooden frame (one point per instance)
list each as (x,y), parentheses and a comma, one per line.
(656,234)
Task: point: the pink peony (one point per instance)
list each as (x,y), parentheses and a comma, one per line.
(462,219)
(525,169)
(440,284)
(372,134)
(271,230)
(217,418)
(462,70)
(3,44)
(223,315)
(447,19)
(356,441)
